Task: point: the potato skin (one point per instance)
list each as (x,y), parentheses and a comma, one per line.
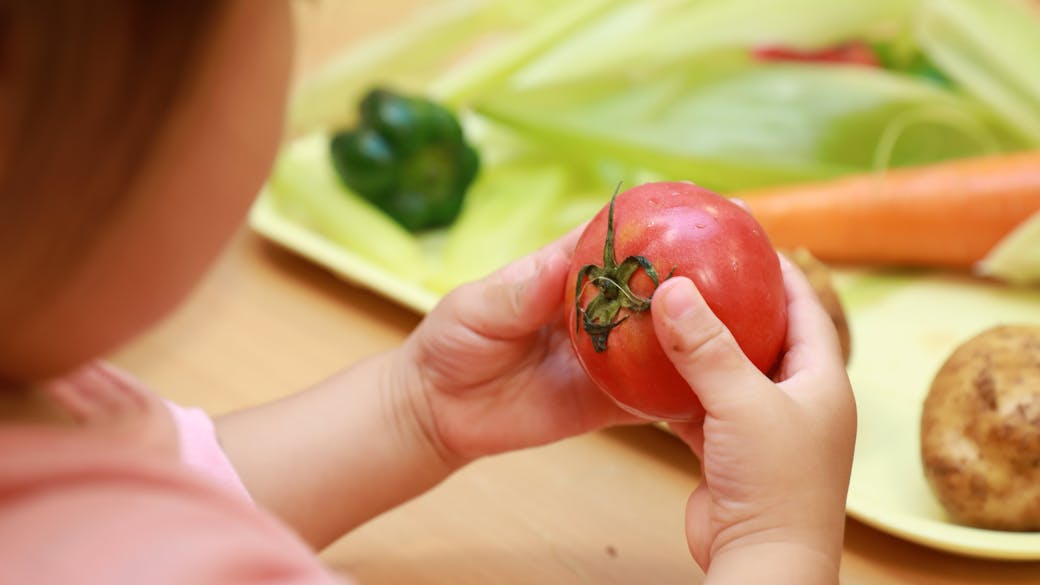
(980,430)
(819,276)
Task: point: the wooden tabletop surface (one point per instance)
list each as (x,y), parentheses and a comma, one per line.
(605,508)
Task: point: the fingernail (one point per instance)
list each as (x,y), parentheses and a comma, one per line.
(678,298)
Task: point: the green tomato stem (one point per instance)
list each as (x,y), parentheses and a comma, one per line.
(602,314)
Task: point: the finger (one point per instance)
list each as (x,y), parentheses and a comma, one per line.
(812,340)
(701,348)
(698,525)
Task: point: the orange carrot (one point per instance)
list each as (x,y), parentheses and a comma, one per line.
(948,214)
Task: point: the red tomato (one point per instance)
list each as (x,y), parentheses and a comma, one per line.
(660,229)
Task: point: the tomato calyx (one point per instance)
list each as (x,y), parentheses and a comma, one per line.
(600,316)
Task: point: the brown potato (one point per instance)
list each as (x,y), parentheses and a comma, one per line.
(980,430)
(819,276)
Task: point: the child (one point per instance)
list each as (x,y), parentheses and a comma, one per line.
(134,135)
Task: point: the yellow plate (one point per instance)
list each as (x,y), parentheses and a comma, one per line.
(902,331)
(903,328)
(265,219)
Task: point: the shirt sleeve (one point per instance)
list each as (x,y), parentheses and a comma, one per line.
(201,451)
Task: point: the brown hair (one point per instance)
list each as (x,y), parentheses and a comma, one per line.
(84,90)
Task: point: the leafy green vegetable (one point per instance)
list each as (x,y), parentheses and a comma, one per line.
(495,65)
(304,187)
(992,49)
(407,156)
(730,124)
(434,42)
(1016,258)
(641,37)
(564,99)
(406,57)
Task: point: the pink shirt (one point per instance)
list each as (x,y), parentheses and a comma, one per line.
(80,505)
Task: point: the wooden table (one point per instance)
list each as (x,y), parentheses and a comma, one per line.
(603,508)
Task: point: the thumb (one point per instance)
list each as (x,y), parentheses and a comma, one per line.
(514,301)
(517,299)
(701,348)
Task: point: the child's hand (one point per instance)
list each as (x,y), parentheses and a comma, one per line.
(776,457)
(491,368)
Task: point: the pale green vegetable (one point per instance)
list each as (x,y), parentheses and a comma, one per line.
(641,36)
(593,92)
(499,62)
(1016,258)
(992,49)
(404,58)
(729,124)
(304,187)
(435,42)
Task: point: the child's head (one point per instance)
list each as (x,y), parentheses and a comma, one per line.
(133,135)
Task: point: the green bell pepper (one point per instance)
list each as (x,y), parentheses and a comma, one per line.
(409,157)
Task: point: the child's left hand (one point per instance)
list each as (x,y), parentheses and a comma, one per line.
(491,368)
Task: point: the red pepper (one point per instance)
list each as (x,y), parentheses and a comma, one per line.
(851,53)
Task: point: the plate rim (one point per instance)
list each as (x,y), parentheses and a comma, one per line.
(268,221)
(966,540)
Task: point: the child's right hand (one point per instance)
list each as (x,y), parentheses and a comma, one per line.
(775,457)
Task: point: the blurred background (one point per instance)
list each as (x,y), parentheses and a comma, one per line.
(564,101)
